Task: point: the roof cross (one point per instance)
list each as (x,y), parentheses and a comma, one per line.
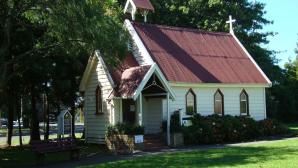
(231,21)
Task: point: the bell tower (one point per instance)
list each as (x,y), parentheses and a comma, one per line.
(141,6)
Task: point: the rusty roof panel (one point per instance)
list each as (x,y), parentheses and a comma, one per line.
(127,77)
(143,4)
(195,56)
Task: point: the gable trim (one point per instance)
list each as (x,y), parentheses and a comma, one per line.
(139,43)
(252,60)
(97,53)
(87,72)
(154,69)
(93,61)
(127,4)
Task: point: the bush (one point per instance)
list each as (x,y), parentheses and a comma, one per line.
(271,127)
(175,124)
(220,129)
(125,129)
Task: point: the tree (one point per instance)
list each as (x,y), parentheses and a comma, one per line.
(39,35)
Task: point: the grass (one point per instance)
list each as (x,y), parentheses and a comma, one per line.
(282,153)
(25,139)
(273,154)
(24,157)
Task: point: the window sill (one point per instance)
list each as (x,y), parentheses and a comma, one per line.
(244,115)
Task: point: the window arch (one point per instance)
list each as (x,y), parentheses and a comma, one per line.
(218,103)
(98,98)
(191,102)
(244,107)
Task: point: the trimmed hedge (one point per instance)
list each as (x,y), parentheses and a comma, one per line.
(222,129)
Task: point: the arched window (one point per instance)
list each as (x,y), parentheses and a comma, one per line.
(98,98)
(218,103)
(244,103)
(191,103)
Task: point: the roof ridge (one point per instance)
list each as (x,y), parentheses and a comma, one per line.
(183,28)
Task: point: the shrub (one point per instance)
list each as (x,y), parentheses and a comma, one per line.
(175,124)
(220,129)
(271,127)
(124,128)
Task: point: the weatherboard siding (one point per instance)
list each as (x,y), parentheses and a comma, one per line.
(205,101)
(95,125)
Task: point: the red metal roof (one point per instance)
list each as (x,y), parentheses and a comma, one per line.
(143,4)
(194,56)
(128,76)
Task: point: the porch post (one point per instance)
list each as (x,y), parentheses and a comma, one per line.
(168,120)
(141,109)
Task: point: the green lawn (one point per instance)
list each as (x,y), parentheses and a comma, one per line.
(272,154)
(23,157)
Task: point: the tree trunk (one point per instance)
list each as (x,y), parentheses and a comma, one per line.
(72,111)
(47,131)
(10,121)
(0,120)
(6,53)
(34,123)
(19,109)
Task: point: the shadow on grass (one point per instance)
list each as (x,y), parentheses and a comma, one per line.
(24,157)
(226,157)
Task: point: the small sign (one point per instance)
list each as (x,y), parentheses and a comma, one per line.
(139,139)
(186,122)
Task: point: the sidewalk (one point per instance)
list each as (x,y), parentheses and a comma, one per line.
(98,159)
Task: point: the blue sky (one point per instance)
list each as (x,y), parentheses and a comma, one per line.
(284,13)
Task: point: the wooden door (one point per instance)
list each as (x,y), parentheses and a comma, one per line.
(129,111)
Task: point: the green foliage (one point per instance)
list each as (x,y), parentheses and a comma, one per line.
(271,127)
(45,45)
(124,129)
(175,124)
(284,96)
(223,129)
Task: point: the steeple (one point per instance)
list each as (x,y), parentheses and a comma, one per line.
(142,6)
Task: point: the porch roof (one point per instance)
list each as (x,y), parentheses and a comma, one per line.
(130,81)
(131,78)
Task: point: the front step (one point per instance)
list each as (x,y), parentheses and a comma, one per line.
(154,142)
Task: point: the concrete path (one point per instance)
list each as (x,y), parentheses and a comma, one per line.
(98,159)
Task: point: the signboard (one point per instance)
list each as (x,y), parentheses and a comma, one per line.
(186,122)
(64,123)
(139,139)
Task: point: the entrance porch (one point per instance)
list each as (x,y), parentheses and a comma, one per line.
(142,98)
(150,107)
